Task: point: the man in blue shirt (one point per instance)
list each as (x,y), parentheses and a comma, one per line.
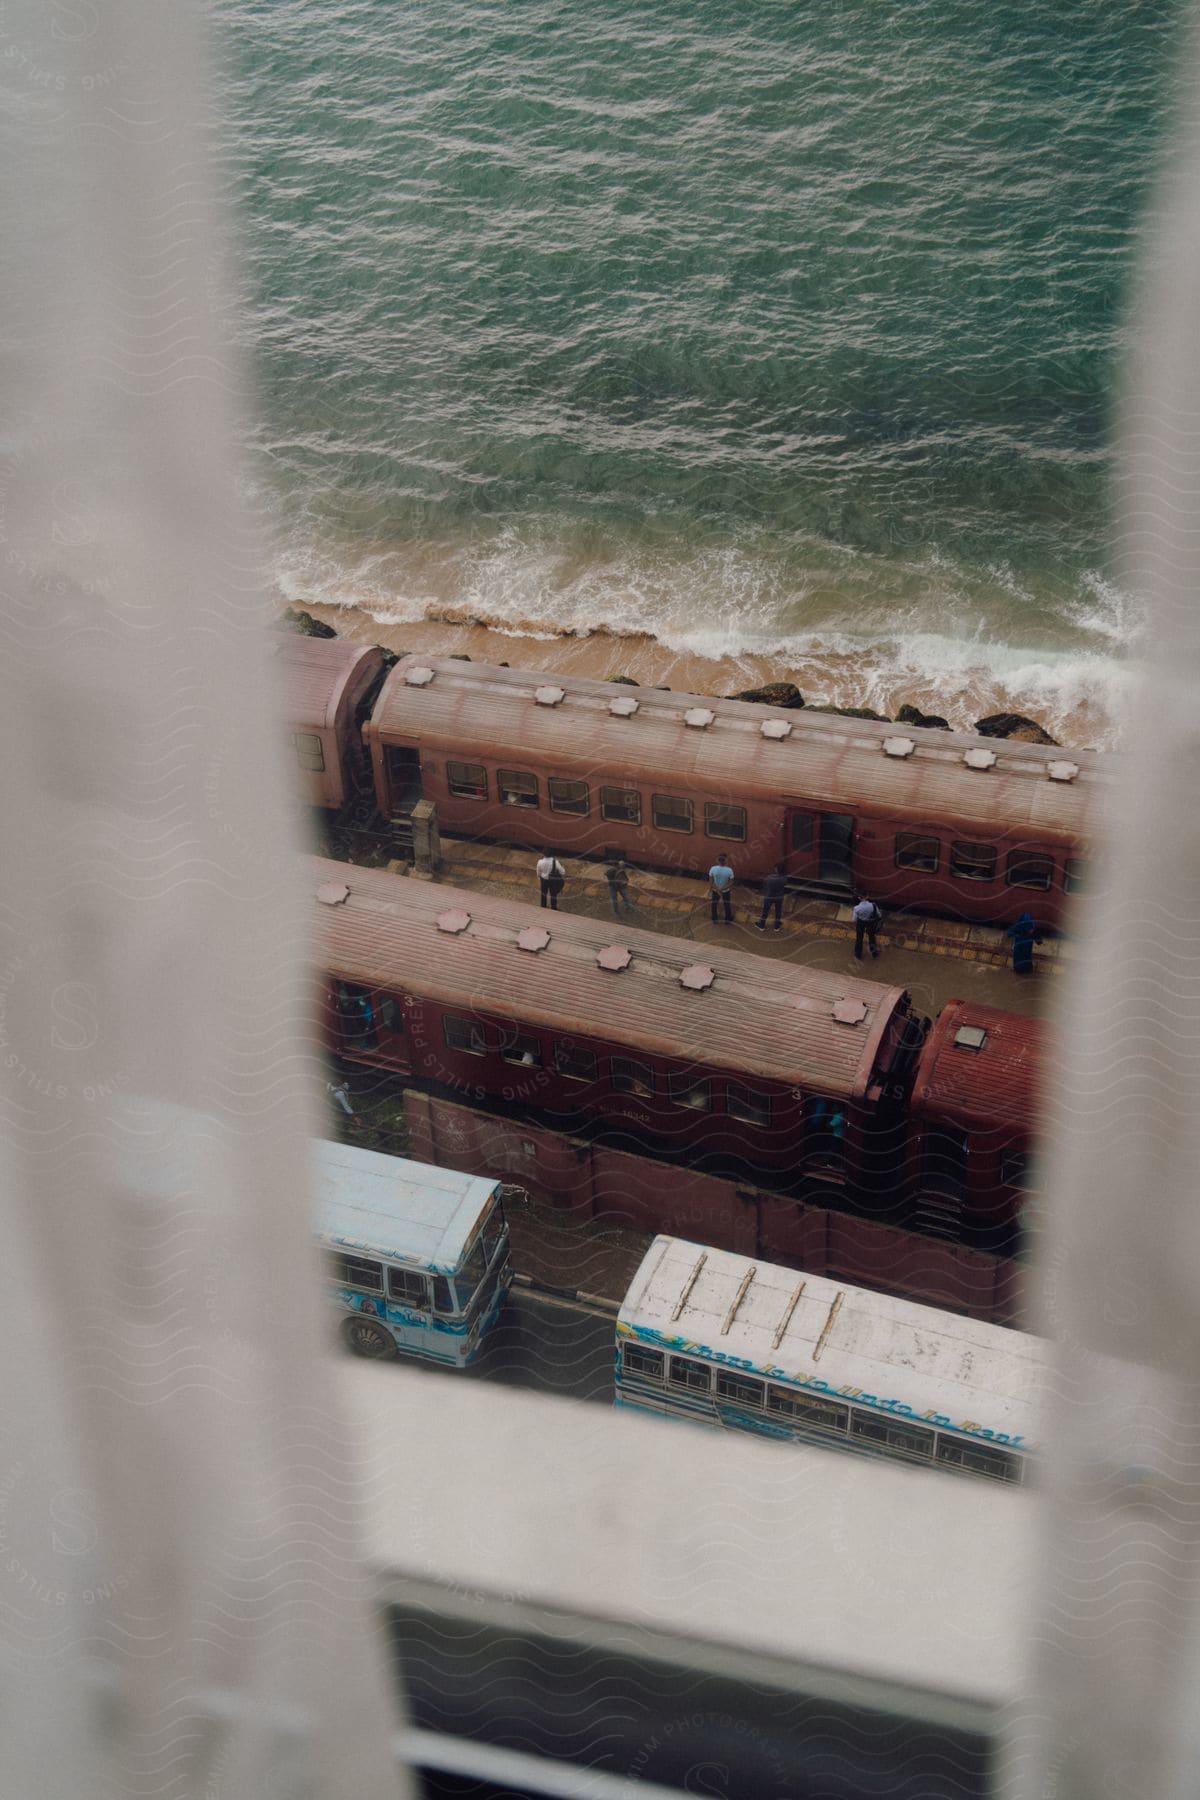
(720,881)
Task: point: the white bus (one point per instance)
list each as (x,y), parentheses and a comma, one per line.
(416,1258)
(705,1335)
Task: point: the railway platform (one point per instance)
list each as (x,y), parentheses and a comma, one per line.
(936,959)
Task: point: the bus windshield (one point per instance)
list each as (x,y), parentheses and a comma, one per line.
(468,1278)
(493,1231)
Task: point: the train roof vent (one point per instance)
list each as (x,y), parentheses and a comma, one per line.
(549,696)
(979,759)
(624,708)
(454,921)
(533,938)
(849,1012)
(615,957)
(1062,771)
(698,717)
(898,746)
(697,976)
(332,893)
(776,728)
(970,1037)
(420,676)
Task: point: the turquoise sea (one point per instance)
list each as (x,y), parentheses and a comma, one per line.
(778,328)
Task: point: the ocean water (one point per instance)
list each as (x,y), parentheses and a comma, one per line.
(781,329)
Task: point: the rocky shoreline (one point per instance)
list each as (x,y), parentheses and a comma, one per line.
(1014,725)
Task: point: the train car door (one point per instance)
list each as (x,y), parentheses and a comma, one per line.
(404,778)
(820,846)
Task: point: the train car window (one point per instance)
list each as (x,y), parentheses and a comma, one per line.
(467,781)
(751,1108)
(685,1090)
(1028,868)
(900,1438)
(978,1459)
(806,1409)
(688,1374)
(356,1013)
(916,852)
(630,1077)
(622,805)
(464,1035)
(391,1015)
(569,796)
(671,812)
(576,1063)
(408,1288)
(517,787)
(518,1048)
(1075,875)
(973,862)
(802,831)
(309,753)
(1018,1168)
(724,821)
(355,1271)
(740,1388)
(637,1360)
(824,1134)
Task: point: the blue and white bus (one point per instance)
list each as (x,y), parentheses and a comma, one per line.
(723,1340)
(416,1258)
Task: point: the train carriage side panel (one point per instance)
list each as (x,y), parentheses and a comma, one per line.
(323,683)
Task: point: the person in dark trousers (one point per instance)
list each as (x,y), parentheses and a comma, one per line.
(552,875)
(617,876)
(720,881)
(774,888)
(867,919)
(1024,934)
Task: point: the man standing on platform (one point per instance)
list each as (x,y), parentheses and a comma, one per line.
(867,918)
(720,881)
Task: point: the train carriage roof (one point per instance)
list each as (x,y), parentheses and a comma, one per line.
(995,1084)
(314,673)
(809,1329)
(759,1017)
(477,709)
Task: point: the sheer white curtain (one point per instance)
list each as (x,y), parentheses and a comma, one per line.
(1111,1704)
(181,1605)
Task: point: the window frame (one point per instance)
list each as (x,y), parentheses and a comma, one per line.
(1010,1471)
(904,850)
(652,1356)
(1028,1180)
(314,737)
(618,817)
(563,1048)
(1073,881)
(691,1366)
(632,1062)
(520,1041)
(732,1090)
(559,805)
(801,1406)
(959,846)
(728,1378)
(694,1084)
(1016,857)
(348,1257)
(424,1304)
(883,1424)
(470,1025)
(460,787)
(675,801)
(531,797)
(711,809)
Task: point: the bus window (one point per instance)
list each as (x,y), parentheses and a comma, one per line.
(408,1288)
(806,1409)
(896,1436)
(443,1299)
(356,1272)
(637,1360)
(739,1388)
(978,1459)
(688,1374)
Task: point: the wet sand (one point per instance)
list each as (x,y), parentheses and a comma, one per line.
(836,680)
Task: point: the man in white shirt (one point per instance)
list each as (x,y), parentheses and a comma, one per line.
(551,874)
(867,917)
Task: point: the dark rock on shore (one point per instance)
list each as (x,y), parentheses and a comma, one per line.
(912,715)
(458,656)
(1013,725)
(774,693)
(623,680)
(854,712)
(306,625)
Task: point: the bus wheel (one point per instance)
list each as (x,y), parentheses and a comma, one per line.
(367,1338)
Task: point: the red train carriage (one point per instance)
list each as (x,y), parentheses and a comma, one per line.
(973,1115)
(328,688)
(731,1061)
(932,819)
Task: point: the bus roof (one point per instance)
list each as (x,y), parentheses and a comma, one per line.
(873,1348)
(389,1206)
